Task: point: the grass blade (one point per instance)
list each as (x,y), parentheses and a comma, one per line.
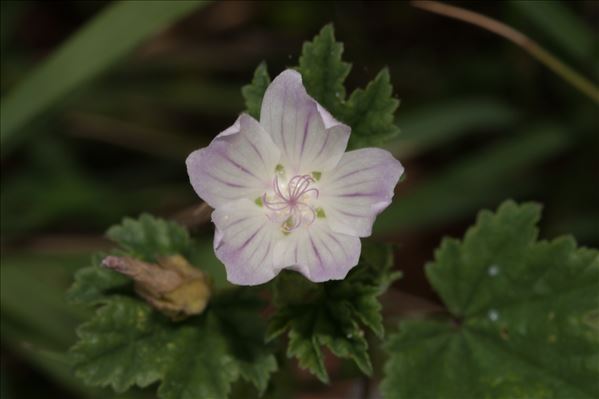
(107,38)
(480,180)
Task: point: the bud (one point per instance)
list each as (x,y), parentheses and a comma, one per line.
(172,286)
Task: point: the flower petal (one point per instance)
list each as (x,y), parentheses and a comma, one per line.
(358,189)
(238,163)
(309,137)
(244,241)
(318,253)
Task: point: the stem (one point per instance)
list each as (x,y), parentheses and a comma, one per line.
(193,216)
(549,60)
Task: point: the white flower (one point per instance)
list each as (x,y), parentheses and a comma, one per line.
(285,194)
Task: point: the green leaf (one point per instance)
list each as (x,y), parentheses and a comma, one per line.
(127,343)
(523,317)
(116,31)
(206,372)
(255,360)
(94,284)
(370,113)
(149,237)
(145,238)
(254,92)
(323,71)
(331,314)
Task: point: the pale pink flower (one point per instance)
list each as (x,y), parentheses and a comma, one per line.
(285,193)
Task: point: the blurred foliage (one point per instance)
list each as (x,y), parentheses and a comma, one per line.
(480,122)
(523,317)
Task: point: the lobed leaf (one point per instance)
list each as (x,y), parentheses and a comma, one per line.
(94,284)
(149,237)
(370,113)
(331,314)
(522,312)
(128,343)
(254,92)
(323,71)
(145,238)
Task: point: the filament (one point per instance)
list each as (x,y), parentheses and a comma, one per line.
(289,203)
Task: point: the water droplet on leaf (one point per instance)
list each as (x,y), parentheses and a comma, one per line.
(493,315)
(493,270)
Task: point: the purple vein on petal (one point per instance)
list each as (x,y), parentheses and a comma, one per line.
(353,172)
(352,184)
(249,239)
(341,247)
(262,237)
(352,195)
(351,214)
(255,149)
(324,144)
(240,232)
(316,253)
(282,131)
(236,222)
(225,182)
(242,168)
(295,254)
(261,263)
(306,125)
(327,248)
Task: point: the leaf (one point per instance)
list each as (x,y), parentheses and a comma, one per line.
(116,31)
(255,360)
(94,284)
(203,369)
(150,237)
(254,92)
(370,113)
(323,71)
(127,343)
(522,312)
(331,314)
(145,238)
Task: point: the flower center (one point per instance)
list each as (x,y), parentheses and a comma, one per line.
(290,202)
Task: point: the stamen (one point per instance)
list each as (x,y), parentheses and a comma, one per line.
(277,189)
(312,189)
(289,204)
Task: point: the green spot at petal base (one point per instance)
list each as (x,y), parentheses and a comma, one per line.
(320,213)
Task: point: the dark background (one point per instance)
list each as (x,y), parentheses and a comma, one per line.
(482,121)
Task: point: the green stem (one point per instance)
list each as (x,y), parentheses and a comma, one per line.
(579,82)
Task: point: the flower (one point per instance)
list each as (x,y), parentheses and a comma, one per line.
(285,193)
